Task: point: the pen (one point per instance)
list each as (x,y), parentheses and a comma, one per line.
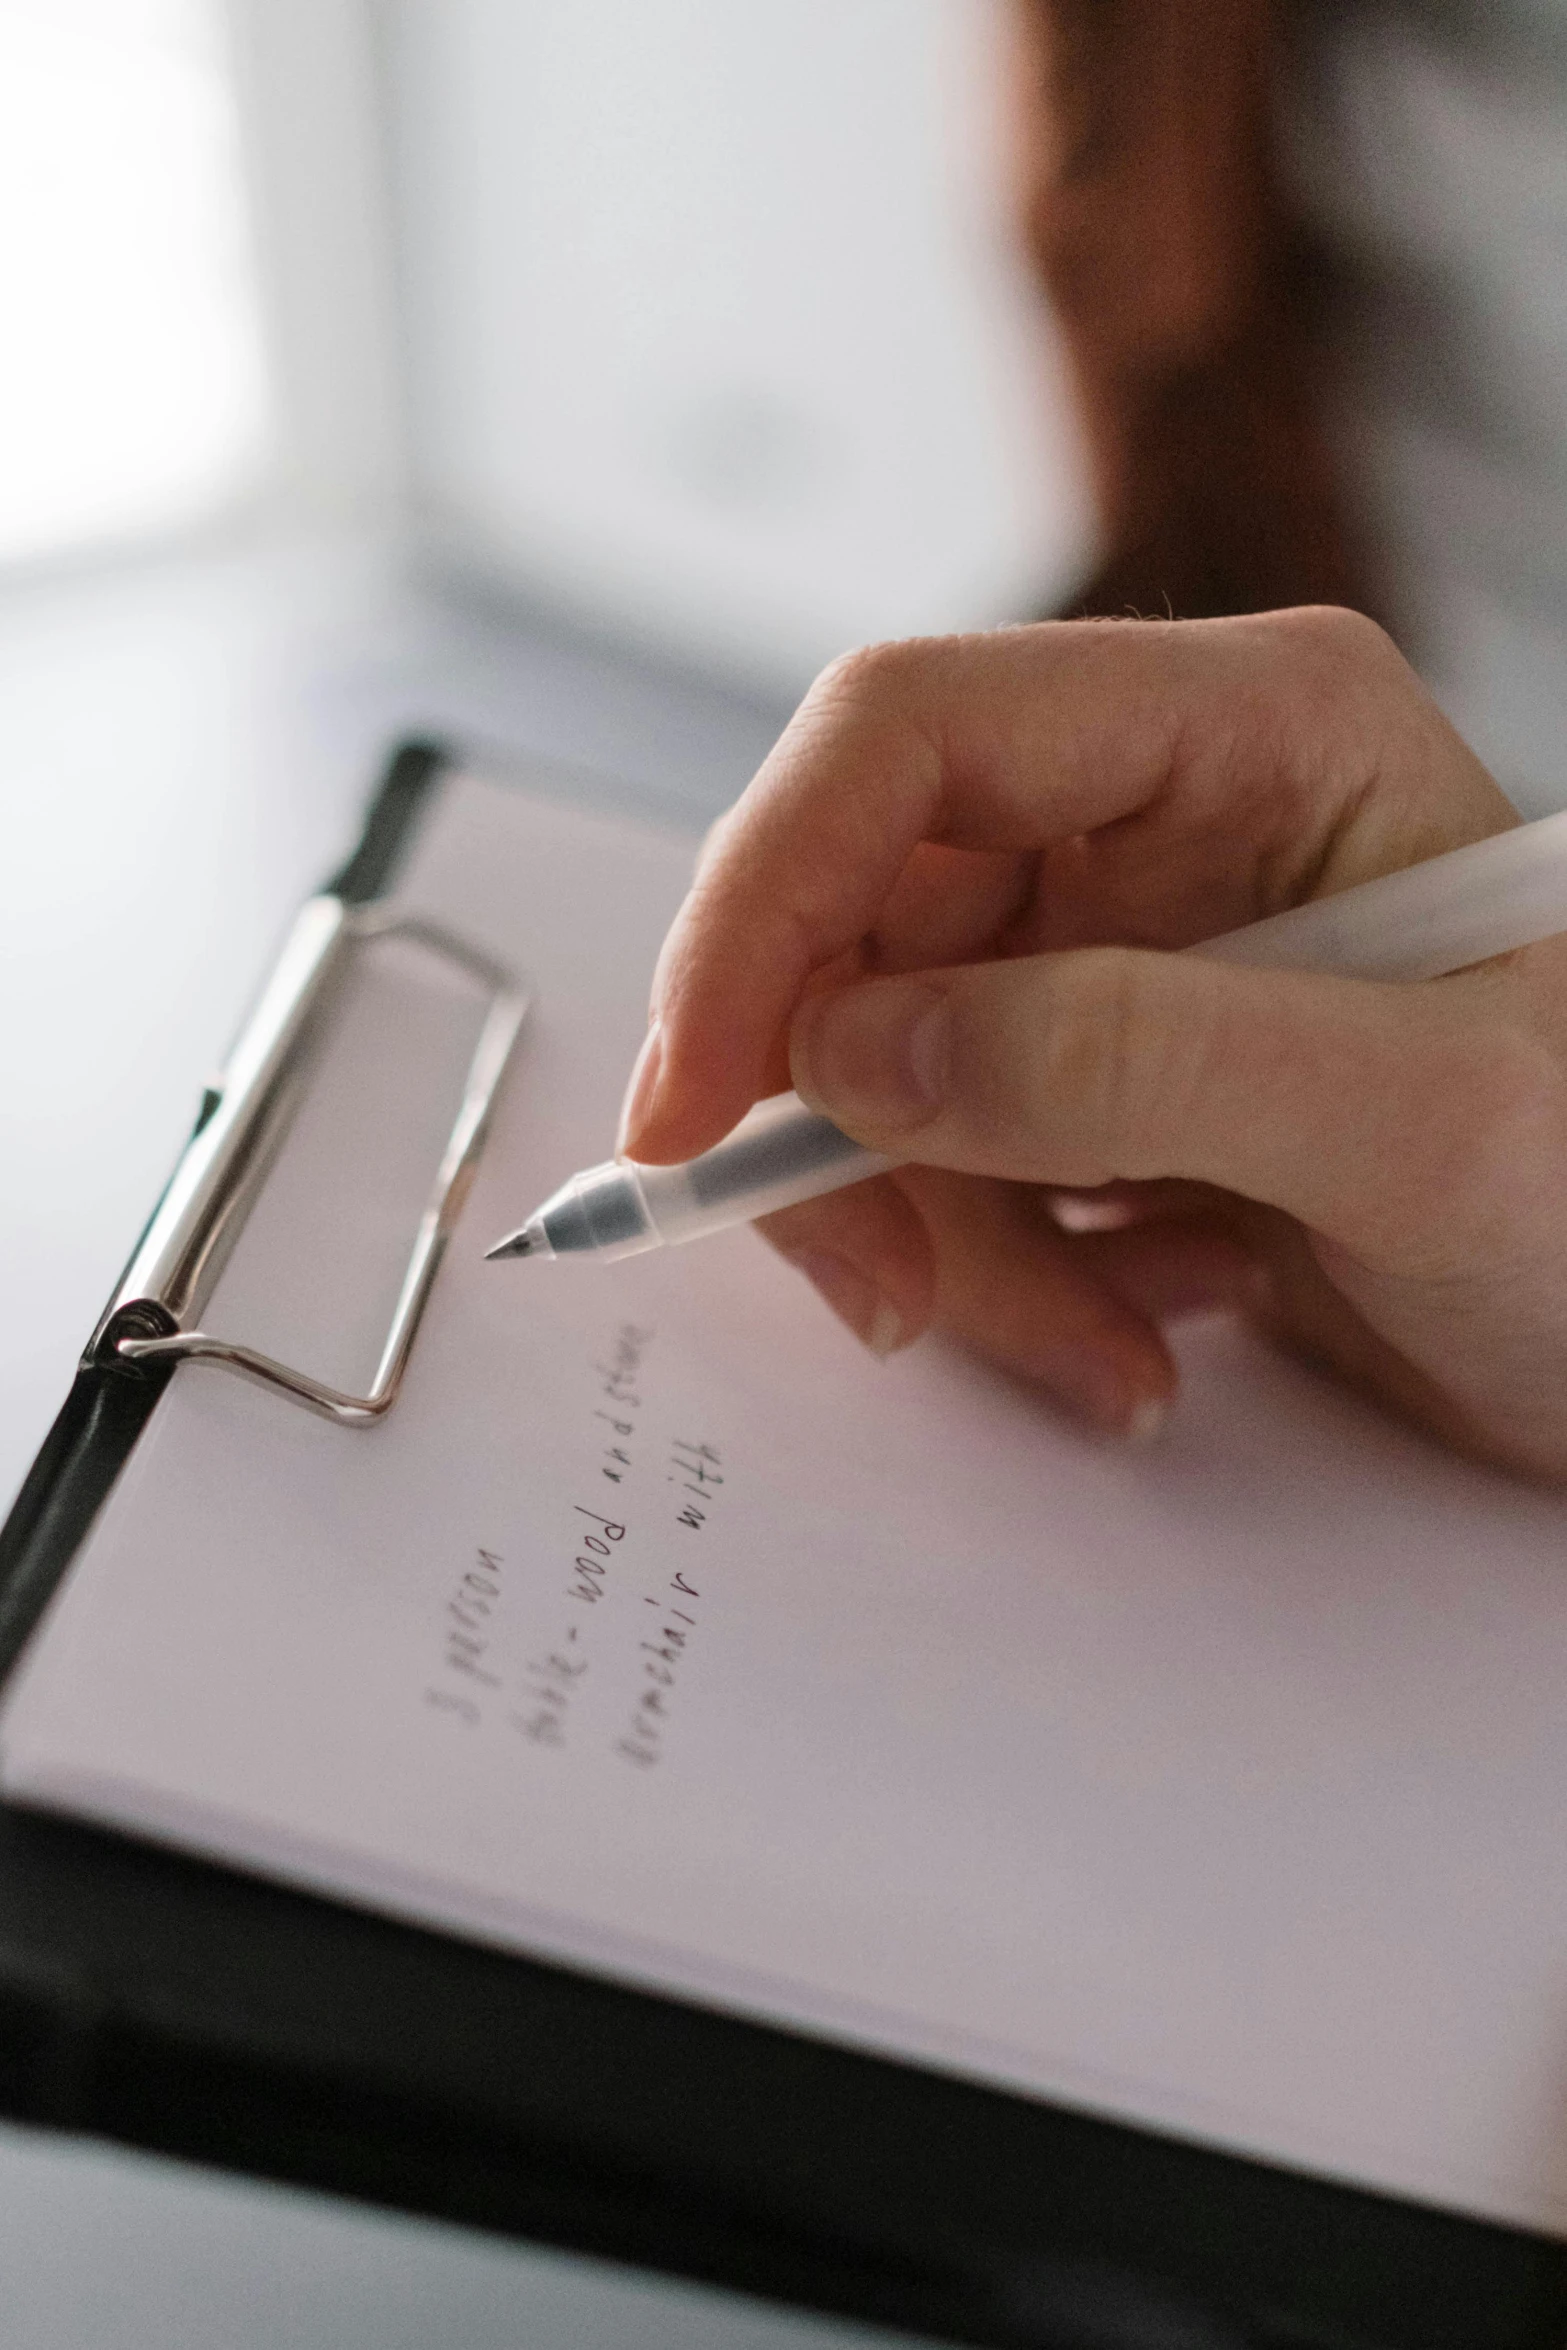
(1431,918)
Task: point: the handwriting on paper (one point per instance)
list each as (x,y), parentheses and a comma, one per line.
(549,1684)
(695,1469)
(585,1645)
(619,1383)
(660,1661)
(590,1567)
(469,1629)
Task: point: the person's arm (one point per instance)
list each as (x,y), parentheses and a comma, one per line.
(944,906)
(1149,203)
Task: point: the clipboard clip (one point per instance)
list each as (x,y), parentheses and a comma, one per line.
(152,1317)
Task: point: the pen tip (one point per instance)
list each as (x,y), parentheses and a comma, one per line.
(516,1244)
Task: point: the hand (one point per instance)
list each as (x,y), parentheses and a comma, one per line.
(946,905)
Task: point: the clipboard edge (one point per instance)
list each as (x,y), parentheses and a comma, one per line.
(397,807)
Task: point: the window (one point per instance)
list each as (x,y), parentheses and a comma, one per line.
(133,395)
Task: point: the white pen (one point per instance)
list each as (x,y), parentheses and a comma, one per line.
(1440,916)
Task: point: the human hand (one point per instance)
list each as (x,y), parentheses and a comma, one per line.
(946,904)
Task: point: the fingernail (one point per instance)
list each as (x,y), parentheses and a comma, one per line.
(875,1055)
(1096,1394)
(854,1298)
(640,1089)
(1077,1212)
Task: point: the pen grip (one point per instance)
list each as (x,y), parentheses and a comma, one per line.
(782,1153)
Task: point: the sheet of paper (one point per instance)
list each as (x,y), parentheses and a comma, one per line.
(662,1630)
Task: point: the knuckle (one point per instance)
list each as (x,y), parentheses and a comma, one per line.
(1337,634)
(1096,1063)
(880,680)
(1129,1073)
(863,679)
(1142,1063)
(1339,660)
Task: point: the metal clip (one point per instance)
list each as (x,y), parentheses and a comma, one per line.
(177,1263)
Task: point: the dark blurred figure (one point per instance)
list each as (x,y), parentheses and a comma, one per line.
(1310,258)
(1187,293)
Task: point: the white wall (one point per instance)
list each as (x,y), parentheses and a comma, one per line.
(712,326)
(697,318)
(134,399)
(315,148)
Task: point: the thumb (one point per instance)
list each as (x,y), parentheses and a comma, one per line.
(1372,1112)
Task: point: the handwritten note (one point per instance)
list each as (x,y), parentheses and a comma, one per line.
(524,1649)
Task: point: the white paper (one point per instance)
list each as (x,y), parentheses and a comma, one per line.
(1220,1787)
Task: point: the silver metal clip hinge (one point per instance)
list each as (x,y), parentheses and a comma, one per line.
(149,1319)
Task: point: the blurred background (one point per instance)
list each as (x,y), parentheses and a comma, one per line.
(698,325)
(575,377)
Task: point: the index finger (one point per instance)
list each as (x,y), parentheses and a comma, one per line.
(1015,740)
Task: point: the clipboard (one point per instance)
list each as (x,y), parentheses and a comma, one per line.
(187,2008)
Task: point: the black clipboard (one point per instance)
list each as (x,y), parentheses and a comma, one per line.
(189,2009)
